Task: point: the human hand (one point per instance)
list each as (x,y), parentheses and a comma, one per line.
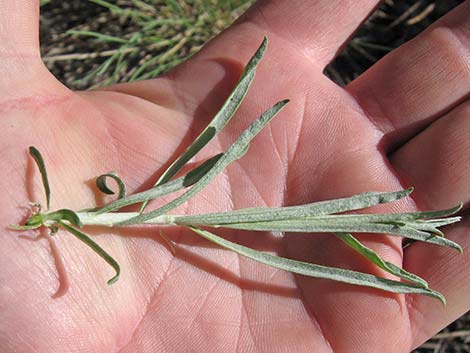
(404,122)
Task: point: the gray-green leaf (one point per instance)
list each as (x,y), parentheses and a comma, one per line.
(318,271)
(261,214)
(221,119)
(234,152)
(338,224)
(376,259)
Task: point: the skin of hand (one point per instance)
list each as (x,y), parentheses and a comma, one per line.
(404,122)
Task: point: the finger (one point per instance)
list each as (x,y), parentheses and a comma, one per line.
(19,27)
(356,172)
(315,28)
(447,272)
(303,35)
(416,83)
(337,156)
(437,162)
(25,81)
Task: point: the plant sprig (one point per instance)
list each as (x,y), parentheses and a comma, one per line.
(325,216)
(220,120)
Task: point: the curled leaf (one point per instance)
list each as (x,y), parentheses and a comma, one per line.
(103,187)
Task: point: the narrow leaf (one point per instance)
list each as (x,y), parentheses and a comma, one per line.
(103,187)
(334,224)
(406,218)
(432,225)
(318,271)
(261,214)
(42,170)
(96,248)
(376,259)
(234,152)
(219,121)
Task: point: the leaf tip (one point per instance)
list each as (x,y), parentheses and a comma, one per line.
(33,150)
(115,277)
(457,208)
(280,105)
(436,295)
(441,298)
(265,41)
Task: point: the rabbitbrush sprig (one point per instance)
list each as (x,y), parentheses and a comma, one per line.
(325,216)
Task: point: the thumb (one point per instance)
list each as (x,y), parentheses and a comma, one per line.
(22,71)
(19,27)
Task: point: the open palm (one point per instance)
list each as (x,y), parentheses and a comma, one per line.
(404,122)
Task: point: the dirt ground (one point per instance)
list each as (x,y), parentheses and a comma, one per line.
(392,24)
